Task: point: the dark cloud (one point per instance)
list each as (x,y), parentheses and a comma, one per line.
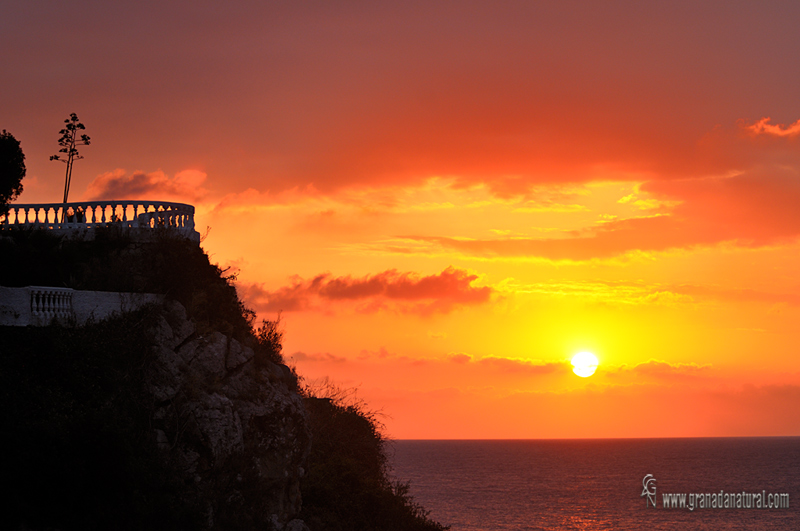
(184,186)
(408,291)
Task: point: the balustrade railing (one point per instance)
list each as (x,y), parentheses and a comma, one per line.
(43,305)
(89,214)
(51,302)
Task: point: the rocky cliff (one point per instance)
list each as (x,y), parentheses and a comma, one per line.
(233,424)
(148,421)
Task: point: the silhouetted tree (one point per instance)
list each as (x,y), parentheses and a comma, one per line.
(12,170)
(68,142)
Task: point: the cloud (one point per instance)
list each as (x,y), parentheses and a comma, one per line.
(764,127)
(638,292)
(661,370)
(756,208)
(737,183)
(509,365)
(381,353)
(740,149)
(508,95)
(789,296)
(184,186)
(407,291)
(613,238)
(751,209)
(320,357)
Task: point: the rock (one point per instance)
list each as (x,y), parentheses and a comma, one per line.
(162,333)
(168,374)
(182,328)
(161,440)
(238,355)
(205,356)
(189,459)
(236,431)
(240,385)
(219,425)
(296,525)
(274,372)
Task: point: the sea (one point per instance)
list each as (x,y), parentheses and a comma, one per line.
(596,484)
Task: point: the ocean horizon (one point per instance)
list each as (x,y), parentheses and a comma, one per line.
(587,484)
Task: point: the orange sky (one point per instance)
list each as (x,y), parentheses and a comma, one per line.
(447,201)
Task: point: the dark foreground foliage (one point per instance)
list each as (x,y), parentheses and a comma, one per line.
(347,485)
(77,449)
(12,170)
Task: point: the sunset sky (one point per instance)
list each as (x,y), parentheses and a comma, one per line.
(448,200)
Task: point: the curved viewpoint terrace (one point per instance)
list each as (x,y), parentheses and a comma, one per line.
(75,217)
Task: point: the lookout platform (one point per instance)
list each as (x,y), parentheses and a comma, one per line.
(80,218)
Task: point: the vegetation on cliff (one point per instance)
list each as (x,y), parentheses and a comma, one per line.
(81,411)
(77,449)
(347,484)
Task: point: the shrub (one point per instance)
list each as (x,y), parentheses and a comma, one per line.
(347,484)
(269,341)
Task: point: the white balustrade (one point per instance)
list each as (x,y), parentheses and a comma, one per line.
(51,302)
(43,305)
(90,214)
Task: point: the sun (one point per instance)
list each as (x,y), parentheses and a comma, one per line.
(584,364)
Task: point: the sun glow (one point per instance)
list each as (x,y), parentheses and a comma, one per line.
(584,364)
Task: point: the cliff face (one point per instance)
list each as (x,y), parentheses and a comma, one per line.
(229,422)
